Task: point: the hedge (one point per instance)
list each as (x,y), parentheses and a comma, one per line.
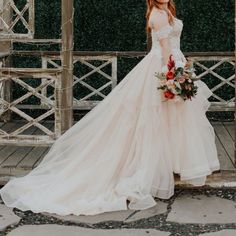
(109,25)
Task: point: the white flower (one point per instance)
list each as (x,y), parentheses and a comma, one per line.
(194,75)
(170,82)
(174,91)
(178,84)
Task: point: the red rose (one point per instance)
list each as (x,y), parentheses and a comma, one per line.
(171,63)
(169,75)
(169,95)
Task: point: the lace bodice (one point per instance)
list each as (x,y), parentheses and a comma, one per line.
(173,32)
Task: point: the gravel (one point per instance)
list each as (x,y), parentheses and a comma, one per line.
(156,222)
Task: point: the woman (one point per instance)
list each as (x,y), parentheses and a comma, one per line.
(123,153)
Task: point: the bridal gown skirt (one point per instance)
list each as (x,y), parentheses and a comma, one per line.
(125,148)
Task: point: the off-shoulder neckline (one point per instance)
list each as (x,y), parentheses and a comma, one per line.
(178,19)
(165,12)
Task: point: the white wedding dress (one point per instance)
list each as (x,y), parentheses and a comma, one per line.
(125,148)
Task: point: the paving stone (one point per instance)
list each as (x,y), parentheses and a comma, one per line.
(93,219)
(59,230)
(7,217)
(227,232)
(203,210)
(160,208)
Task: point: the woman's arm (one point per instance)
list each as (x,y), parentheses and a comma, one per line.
(160,24)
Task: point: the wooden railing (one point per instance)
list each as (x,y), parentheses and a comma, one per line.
(209,63)
(216,60)
(85,102)
(21,78)
(49,85)
(8,24)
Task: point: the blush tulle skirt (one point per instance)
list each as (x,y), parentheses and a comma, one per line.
(128,147)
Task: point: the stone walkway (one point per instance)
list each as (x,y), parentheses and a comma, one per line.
(189,212)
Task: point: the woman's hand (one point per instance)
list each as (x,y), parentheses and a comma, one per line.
(164,69)
(179,64)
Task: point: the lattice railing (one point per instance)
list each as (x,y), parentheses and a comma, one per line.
(39,90)
(102,68)
(16,21)
(217,71)
(37,96)
(28,82)
(219,74)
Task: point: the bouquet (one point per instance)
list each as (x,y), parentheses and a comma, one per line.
(178,82)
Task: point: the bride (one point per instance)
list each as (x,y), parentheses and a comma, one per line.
(125,151)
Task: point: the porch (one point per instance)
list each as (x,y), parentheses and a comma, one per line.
(19,160)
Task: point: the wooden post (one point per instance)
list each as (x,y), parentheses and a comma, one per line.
(114,72)
(67,64)
(149,41)
(5,48)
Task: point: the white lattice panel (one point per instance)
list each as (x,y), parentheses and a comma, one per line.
(15,21)
(28,87)
(110,79)
(213,67)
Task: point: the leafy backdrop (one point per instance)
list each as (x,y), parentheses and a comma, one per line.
(110,25)
(120,25)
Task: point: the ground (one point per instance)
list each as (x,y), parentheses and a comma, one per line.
(209,212)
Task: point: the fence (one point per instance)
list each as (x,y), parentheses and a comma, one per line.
(48,84)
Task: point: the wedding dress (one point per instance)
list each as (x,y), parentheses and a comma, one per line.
(125,148)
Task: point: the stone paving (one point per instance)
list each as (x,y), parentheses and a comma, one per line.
(189,212)
(7,217)
(202,209)
(59,230)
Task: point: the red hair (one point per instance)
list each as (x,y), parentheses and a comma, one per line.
(154,3)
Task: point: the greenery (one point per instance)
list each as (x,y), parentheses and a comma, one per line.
(120,25)
(108,25)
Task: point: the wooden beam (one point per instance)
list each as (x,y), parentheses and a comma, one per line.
(5,49)
(66,93)
(31,20)
(26,40)
(4,54)
(220,179)
(29,72)
(149,41)
(204,55)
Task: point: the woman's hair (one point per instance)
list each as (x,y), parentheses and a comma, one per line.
(154,3)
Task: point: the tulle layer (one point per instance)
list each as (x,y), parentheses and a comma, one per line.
(126,148)
(191,137)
